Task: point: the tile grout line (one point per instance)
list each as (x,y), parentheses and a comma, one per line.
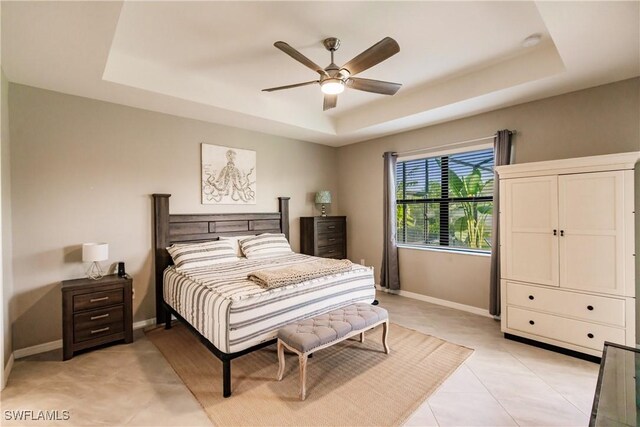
(550,386)
(492,395)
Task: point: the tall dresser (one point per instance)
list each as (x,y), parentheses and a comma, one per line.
(567,245)
(324,236)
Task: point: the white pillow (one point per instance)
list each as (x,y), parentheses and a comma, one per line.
(191,255)
(235,242)
(265,245)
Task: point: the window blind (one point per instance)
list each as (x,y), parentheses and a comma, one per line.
(446,200)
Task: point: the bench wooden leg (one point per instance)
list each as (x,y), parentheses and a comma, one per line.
(385,334)
(281,360)
(303,375)
(362,336)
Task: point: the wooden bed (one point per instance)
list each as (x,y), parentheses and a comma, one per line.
(184,228)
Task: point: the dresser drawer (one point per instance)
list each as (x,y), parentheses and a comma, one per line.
(331,227)
(98,331)
(330,239)
(97,318)
(571,331)
(332,251)
(588,307)
(97,299)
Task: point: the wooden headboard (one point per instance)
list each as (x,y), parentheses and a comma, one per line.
(184,228)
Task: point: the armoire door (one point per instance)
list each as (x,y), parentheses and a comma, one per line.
(529,232)
(592,231)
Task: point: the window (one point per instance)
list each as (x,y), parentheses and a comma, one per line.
(446,201)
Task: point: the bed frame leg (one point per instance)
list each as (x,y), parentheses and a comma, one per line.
(226,378)
(167,319)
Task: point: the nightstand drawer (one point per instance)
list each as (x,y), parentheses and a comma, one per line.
(331,227)
(332,251)
(98,331)
(97,299)
(330,239)
(97,318)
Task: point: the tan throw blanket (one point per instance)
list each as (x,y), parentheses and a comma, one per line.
(278,277)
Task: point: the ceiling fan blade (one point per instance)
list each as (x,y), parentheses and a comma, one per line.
(299,57)
(384,49)
(330,101)
(271,89)
(375,86)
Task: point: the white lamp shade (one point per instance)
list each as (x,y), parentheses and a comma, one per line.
(323,196)
(95,252)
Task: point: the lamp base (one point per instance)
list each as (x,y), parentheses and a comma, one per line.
(324,210)
(95,271)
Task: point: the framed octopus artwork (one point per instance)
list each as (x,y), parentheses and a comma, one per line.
(228,175)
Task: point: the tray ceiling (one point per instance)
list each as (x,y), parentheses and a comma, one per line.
(210,60)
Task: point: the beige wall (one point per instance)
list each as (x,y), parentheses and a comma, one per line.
(5,209)
(83,170)
(600,120)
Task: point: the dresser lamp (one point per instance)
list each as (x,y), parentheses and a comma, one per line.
(94,253)
(323,198)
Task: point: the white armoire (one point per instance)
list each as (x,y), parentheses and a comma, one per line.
(567,245)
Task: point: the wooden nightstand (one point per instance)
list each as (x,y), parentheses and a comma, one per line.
(96,312)
(324,236)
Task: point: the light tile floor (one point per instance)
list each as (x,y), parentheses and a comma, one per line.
(503,383)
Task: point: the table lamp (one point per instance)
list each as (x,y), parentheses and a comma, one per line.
(93,253)
(323,197)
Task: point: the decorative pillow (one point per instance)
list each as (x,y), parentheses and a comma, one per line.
(265,245)
(235,242)
(203,254)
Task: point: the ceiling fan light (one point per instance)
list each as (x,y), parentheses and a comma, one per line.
(332,86)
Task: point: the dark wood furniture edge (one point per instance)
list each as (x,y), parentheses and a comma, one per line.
(554,348)
(162,238)
(596,397)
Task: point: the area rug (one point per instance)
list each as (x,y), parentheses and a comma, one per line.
(350,383)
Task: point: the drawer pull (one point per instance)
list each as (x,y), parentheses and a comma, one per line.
(590,307)
(531,297)
(555,232)
(531,322)
(97,331)
(590,335)
(331,227)
(102,316)
(331,240)
(98,299)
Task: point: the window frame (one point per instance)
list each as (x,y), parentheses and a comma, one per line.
(442,201)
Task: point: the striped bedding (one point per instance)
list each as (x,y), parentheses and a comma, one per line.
(234,313)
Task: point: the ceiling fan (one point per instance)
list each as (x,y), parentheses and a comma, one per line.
(334,79)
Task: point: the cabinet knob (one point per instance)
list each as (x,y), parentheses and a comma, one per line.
(555,232)
(590,307)
(590,335)
(531,322)
(531,297)
(561,232)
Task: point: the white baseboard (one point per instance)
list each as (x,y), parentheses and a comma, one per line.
(37,349)
(438,301)
(54,345)
(144,323)
(7,371)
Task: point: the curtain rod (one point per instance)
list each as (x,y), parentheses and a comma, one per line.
(451,144)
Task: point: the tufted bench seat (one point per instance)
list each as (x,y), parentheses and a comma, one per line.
(309,335)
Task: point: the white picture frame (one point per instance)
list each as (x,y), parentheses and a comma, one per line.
(228,175)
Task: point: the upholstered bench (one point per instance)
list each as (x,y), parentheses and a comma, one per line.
(309,335)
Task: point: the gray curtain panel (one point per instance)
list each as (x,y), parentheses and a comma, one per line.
(390,271)
(502,154)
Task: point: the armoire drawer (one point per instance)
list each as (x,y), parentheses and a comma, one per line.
(566,303)
(571,331)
